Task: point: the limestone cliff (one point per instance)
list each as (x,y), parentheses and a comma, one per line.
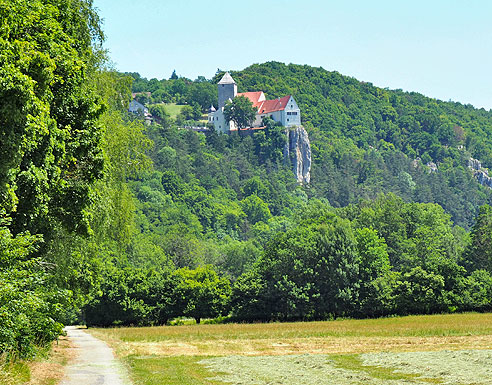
(297,152)
(482,174)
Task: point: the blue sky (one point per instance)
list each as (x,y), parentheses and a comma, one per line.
(439,48)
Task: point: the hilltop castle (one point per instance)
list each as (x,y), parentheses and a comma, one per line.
(283,110)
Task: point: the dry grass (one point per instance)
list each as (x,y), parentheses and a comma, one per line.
(329,345)
(309,352)
(51,370)
(416,333)
(45,370)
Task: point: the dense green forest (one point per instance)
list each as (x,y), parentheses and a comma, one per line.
(365,140)
(108,221)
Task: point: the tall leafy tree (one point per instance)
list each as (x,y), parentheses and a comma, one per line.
(202,291)
(240,110)
(50,139)
(51,155)
(479,254)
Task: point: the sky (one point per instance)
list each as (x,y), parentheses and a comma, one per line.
(440,48)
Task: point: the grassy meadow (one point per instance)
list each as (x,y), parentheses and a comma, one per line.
(173,109)
(350,351)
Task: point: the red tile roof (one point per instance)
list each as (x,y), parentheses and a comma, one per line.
(273,105)
(252,96)
(266,106)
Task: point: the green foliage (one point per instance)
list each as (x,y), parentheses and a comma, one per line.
(189,113)
(374,234)
(202,292)
(160,114)
(121,300)
(29,306)
(255,209)
(479,253)
(132,296)
(51,150)
(306,273)
(477,291)
(49,142)
(177,90)
(420,292)
(374,272)
(240,110)
(366,140)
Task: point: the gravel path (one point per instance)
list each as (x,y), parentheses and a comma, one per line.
(94,363)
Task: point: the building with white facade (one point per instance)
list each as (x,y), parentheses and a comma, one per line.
(284,110)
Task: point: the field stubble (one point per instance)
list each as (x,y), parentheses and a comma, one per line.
(396,350)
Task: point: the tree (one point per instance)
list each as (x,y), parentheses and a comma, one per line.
(309,272)
(122,300)
(479,254)
(159,112)
(420,292)
(192,112)
(202,291)
(240,110)
(50,139)
(51,156)
(255,209)
(27,302)
(374,273)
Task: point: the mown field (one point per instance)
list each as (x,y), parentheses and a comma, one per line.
(439,349)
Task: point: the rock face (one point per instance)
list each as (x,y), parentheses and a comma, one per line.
(474,164)
(483,178)
(297,152)
(482,174)
(432,167)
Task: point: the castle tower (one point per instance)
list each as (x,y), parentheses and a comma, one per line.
(227,88)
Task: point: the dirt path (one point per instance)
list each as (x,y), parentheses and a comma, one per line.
(94,363)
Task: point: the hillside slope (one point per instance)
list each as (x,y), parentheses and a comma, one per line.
(367,140)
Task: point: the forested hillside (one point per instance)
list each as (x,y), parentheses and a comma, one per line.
(107,221)
(366,140)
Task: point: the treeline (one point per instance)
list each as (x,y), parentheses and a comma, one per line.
(365,139)
(343,246)
(199,92)
(376,258)
(222,219)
